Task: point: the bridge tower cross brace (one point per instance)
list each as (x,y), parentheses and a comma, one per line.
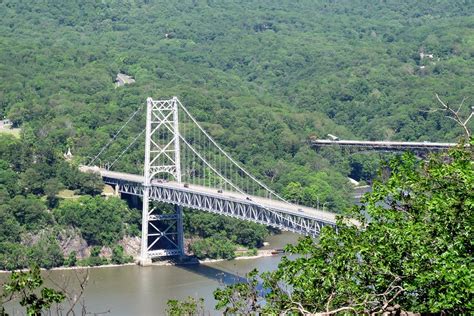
(162,234)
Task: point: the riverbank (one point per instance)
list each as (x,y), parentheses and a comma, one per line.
(132,290)
(75,267)
(260,254)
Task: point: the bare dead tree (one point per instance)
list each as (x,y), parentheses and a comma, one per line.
(73,286)
(455,115)
(371,304)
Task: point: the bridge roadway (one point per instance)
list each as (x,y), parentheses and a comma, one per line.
(384,145)
(290,217)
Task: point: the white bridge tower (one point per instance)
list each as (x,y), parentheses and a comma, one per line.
(162,232)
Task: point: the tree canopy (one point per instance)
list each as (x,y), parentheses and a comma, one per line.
(260,76)
(407,247)
(101,221)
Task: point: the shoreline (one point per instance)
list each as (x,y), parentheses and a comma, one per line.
(73,268)
(260,254)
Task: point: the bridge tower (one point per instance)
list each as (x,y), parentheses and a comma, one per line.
(162,233)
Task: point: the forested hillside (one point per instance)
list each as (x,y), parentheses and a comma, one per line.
(261,76)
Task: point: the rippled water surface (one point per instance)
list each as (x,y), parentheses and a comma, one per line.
(134,290)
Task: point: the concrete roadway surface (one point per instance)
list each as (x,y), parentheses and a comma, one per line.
(269,203)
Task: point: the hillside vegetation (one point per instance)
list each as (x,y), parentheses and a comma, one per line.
(262,77)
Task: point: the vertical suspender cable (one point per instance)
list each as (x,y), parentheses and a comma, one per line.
(115,136)
(229,157)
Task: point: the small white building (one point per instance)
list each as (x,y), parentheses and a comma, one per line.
(423,55)
(123,79)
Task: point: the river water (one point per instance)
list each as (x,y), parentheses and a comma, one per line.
(134,290)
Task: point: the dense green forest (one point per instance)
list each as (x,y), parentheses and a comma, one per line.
(261,76)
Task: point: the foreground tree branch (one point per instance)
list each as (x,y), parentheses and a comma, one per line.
(455,115)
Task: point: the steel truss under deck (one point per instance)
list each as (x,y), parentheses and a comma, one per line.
(222,205)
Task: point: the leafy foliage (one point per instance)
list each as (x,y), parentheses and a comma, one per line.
(94,259)
(46,253)
(101,221)
(10,229)
(215,247)
(231,297)
(188,307)
(408,246)
(25,287)
(29,211)
(71,259)
(119,257)
(220,236)
(207,225)
(13,256)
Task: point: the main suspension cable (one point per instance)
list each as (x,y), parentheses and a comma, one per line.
(115,135)
(127,148)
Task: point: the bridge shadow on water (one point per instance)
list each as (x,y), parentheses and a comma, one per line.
(213,273)
(223,277)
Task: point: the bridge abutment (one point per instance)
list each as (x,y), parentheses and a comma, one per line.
(145,262)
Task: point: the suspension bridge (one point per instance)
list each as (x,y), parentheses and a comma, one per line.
(184,166)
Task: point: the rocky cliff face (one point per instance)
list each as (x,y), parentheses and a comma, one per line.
(70,240)
(131,245)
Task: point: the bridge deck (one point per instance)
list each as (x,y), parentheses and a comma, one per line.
(283,207)
(389,145)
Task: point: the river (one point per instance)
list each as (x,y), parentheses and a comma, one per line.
(134,290)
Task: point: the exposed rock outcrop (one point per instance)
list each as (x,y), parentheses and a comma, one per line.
(131,245)
(68,239)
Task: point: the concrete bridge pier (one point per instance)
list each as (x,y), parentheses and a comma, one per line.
(162,231)
(180,229)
